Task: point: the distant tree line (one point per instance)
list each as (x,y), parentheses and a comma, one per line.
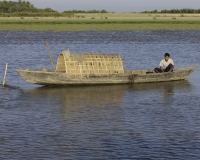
(23,8)
(185,10)
(26,6)
(82,11)
(20,6)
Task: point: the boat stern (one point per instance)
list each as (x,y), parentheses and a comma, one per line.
(24,73)
(30,76)
(192,69)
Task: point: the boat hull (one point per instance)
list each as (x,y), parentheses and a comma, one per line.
(134,76)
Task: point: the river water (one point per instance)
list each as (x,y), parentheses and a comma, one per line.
(142,121)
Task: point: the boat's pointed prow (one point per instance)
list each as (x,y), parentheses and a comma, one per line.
(193,68)
(20,71)
(23,73)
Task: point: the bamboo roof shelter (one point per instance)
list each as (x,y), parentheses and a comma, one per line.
(77,65)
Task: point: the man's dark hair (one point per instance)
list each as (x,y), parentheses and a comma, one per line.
(167,55)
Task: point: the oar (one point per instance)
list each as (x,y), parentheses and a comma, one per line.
(47,45)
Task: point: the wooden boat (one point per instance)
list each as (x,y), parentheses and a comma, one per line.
(87,69)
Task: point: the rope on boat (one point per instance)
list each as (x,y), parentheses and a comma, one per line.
(13,87)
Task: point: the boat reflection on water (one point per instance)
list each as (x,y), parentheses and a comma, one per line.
(74,96)
(104,94)
(165,89)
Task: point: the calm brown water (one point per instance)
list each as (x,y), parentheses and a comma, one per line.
(143,121)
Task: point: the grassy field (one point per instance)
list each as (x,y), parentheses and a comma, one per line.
(105,22)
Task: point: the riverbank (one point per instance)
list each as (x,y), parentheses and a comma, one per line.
(103,22)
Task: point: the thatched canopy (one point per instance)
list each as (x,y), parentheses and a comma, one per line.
(89,64)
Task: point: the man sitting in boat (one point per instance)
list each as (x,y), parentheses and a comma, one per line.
(166,65)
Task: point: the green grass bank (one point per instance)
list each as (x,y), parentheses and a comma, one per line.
(102,22)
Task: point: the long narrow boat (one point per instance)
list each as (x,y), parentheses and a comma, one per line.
(87,69)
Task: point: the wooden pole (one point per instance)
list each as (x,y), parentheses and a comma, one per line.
(4,79)
(47,45)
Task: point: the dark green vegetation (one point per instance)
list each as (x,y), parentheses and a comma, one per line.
(20,6)
(82,11)
(26,9)
(180,11)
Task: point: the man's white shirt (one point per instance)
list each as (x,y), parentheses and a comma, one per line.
(164,64)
